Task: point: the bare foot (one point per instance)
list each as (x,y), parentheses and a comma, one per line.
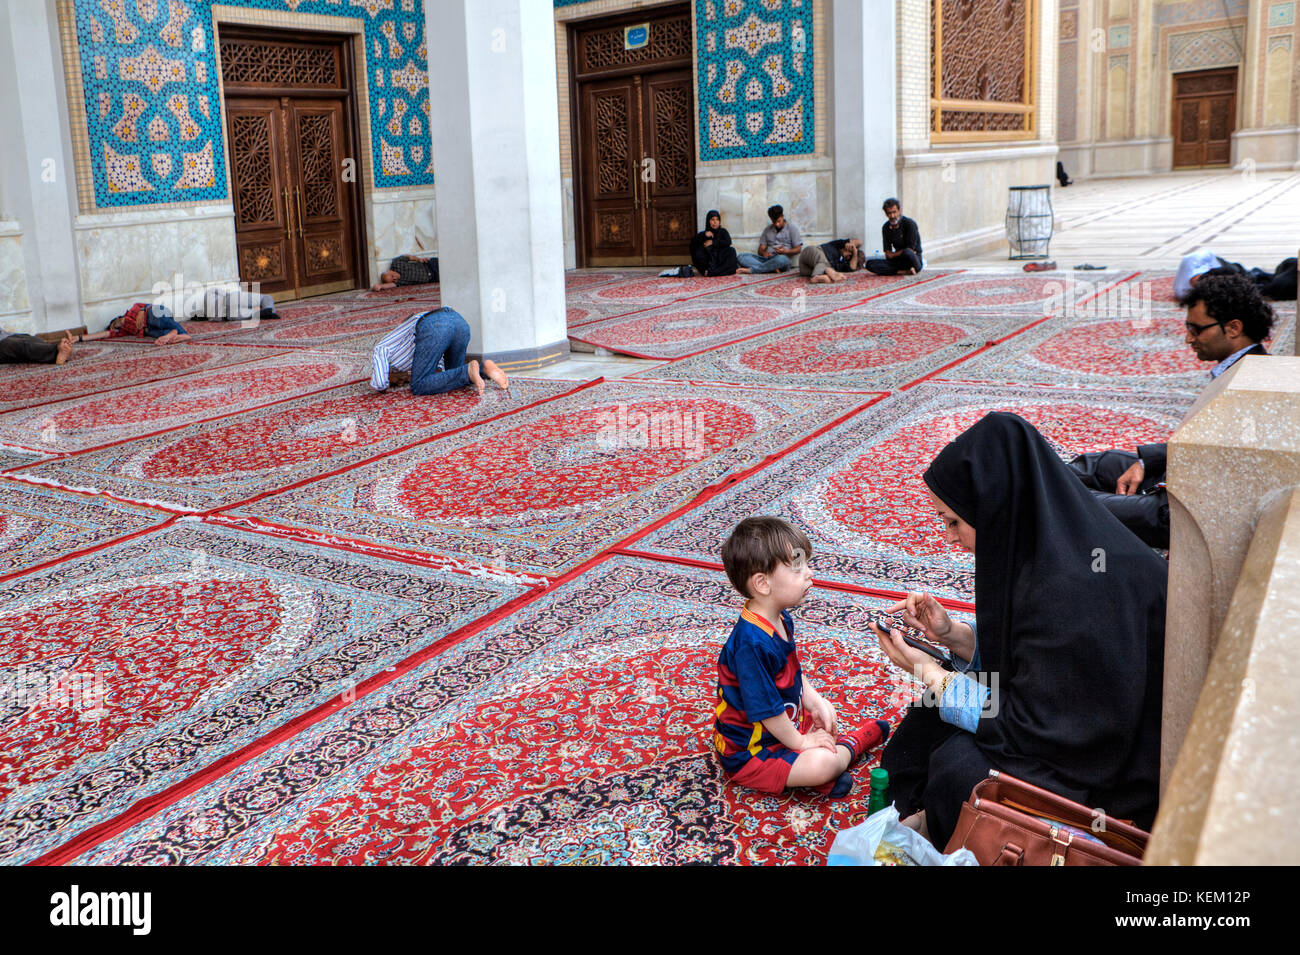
(493,371)
(166,339)
(742,271)
(835,276)
(911,271)
(822,279)
(474,377)
(183,338)
(65,348)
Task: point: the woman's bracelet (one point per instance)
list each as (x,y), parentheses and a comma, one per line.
(943,687)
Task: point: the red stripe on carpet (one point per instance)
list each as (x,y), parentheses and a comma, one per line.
(149,806)
(376,457)
(768,331)
(671,301)
(186,424)
(91,549)
(1019,331)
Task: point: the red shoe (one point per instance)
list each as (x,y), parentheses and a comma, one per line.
(1040,266)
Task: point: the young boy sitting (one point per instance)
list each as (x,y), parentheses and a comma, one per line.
(773,729)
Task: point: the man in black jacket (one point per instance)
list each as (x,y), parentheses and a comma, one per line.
(901,241)
(1226,321)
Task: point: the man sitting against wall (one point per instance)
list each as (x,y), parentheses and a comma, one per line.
(901,240)
(778,246)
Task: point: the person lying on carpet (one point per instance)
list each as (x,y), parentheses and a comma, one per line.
(1071,658)
(831,261)
(901,239)
(407,270)
(711,249)
(431,347)
(146,321)
(1278,285)
(19,348)
(1227,320)
(772,729)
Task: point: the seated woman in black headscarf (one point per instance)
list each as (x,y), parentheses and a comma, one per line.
(1069,620)
(711,251)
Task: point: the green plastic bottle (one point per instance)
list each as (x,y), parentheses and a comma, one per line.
(879,797)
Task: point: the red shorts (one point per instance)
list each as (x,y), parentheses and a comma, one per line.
(768,770)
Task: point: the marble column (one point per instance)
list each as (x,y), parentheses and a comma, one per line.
(37,182)
(1235,452)
(863,76)
(495,127)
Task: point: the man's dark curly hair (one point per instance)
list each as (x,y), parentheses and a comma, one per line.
(1232,296)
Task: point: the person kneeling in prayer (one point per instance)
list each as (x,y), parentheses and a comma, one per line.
(429,349)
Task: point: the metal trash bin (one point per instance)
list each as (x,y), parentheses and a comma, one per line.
(1030,221)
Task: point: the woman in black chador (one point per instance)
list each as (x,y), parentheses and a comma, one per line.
(711,251)
(1069,617)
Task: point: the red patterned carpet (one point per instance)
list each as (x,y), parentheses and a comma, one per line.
(254,613)
(575,731)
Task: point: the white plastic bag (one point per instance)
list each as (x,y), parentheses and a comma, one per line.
(883,840)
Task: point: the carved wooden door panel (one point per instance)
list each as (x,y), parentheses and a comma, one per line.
(261,194)
(634,148)
(611,184)
(669,142)
(321,211)
(290,126)
(1204,114)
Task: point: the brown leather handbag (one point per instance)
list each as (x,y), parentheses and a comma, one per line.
(1007,821)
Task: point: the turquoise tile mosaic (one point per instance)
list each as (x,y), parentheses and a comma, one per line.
(153,112)
(755,80)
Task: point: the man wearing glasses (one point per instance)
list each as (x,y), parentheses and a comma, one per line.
(1227,320)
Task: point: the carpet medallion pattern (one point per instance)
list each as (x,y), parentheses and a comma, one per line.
(141,663)
(576,731)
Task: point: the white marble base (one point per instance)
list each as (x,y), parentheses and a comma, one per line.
(402,222)
(15,308)
(128,257)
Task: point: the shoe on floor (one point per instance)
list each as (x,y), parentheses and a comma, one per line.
(1039,266)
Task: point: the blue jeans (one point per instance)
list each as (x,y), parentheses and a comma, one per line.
(440,336)
(773,263)
(160,322)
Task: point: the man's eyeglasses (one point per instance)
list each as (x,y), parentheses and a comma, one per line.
(1195,330)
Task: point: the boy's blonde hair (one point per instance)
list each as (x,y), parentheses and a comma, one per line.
(757,545)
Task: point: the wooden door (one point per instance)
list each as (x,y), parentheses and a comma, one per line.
(1204,115)
(290,124)
(634,118)
(262,195)
(611,182)
(668,138)
(321,212)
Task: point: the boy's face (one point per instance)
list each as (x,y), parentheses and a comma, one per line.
(787,584)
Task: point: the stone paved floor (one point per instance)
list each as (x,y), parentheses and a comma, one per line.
(1151,222)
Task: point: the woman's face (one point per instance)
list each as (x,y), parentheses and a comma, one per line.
(715,222)
(955,530)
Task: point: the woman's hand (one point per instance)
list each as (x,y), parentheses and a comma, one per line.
(908,658)
(922,612)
